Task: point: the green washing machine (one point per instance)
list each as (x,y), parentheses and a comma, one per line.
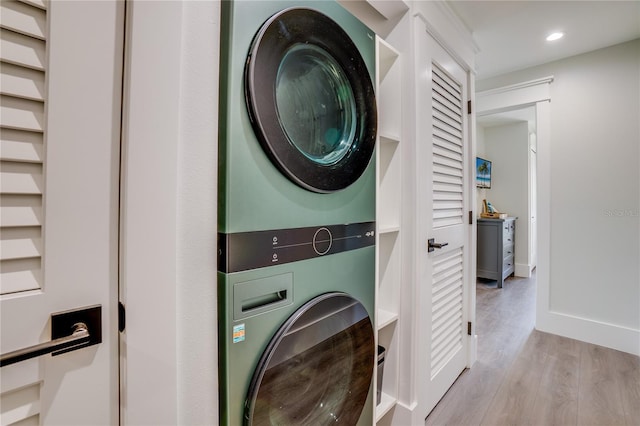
(296,279)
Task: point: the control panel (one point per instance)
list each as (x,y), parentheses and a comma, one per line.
(250,250)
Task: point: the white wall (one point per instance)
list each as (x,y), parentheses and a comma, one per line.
(594,282)
(196,288)
(507,147)
(481,193)
(169,233)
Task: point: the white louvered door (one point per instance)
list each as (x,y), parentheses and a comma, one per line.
(443,200)
(60,87)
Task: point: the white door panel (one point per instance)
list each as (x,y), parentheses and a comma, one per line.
(442,205)
(61,88)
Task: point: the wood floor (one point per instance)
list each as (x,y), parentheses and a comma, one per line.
(525,377)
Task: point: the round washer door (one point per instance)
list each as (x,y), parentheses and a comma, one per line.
(317,369)
(310,100)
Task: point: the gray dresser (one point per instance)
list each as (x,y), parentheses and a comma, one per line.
(496,239)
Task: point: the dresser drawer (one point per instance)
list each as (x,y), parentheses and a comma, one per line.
(508,233)
(507,250)
(508,264)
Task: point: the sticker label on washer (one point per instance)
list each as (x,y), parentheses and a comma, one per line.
(238,333)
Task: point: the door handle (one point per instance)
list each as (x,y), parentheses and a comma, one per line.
(70,330)
(432,245)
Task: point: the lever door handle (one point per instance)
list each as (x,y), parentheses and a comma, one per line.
(69,331)
(432,245)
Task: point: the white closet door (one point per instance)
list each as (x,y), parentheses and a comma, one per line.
(61,79)
(442,205)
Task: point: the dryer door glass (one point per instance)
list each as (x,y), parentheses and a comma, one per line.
(318,367)
(310,100)
(315,104)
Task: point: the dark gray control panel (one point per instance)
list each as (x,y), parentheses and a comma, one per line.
(250,250)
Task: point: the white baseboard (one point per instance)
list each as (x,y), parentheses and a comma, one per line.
(522,270)
(404,414)
(609,335)
(473,350)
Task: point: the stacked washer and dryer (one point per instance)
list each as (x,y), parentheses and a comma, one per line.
(296,278)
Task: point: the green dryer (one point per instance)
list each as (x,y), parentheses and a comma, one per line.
(296,278)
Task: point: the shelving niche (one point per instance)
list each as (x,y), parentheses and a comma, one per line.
(388,213)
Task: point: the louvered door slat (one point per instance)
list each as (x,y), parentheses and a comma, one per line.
(21,183)
(20,211)
(443,123)
(22,82)
(447,165)
(28,150)
(446,140)
(21,249)
(440,151)
(446,314)
(22,50)
(441,175)
(448,153)
(446,188)
(24,19)
(20,405)
(446,327)
(446,82)
(22,114)
(40,4)
(453,115)
(21,178)
(448,105)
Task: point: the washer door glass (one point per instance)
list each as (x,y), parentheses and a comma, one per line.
(318,367)
(310,100)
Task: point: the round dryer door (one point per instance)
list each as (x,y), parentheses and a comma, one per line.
(318,367)
(310,100)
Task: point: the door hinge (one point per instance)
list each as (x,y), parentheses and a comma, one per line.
(470,217)
(469,328)
(122,317)
(469,107)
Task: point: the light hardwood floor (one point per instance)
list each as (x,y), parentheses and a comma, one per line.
(526,377)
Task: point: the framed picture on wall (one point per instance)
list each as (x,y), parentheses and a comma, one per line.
(483,173)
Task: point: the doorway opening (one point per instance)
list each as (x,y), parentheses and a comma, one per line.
(508,141)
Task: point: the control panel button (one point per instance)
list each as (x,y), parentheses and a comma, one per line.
(322,241)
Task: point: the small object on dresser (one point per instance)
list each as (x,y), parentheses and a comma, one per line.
(493,215)
(490,212)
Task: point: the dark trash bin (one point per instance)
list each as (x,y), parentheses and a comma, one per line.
(381,354)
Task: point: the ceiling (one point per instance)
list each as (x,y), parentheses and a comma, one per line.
(511,34)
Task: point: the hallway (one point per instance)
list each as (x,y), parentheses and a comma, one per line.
(526,377)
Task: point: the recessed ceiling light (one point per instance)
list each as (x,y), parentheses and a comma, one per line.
(555,36)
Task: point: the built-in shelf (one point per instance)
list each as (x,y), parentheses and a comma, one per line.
(389,138)
(388,215)
(388,230)
(389,9)
(386,318)
(386,403)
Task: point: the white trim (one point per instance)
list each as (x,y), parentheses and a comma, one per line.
(599,333)
(543,267)
(151,133)
(514,96)
(517,86)
(522,270)
(442,41)
(446,28)
(538,93)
